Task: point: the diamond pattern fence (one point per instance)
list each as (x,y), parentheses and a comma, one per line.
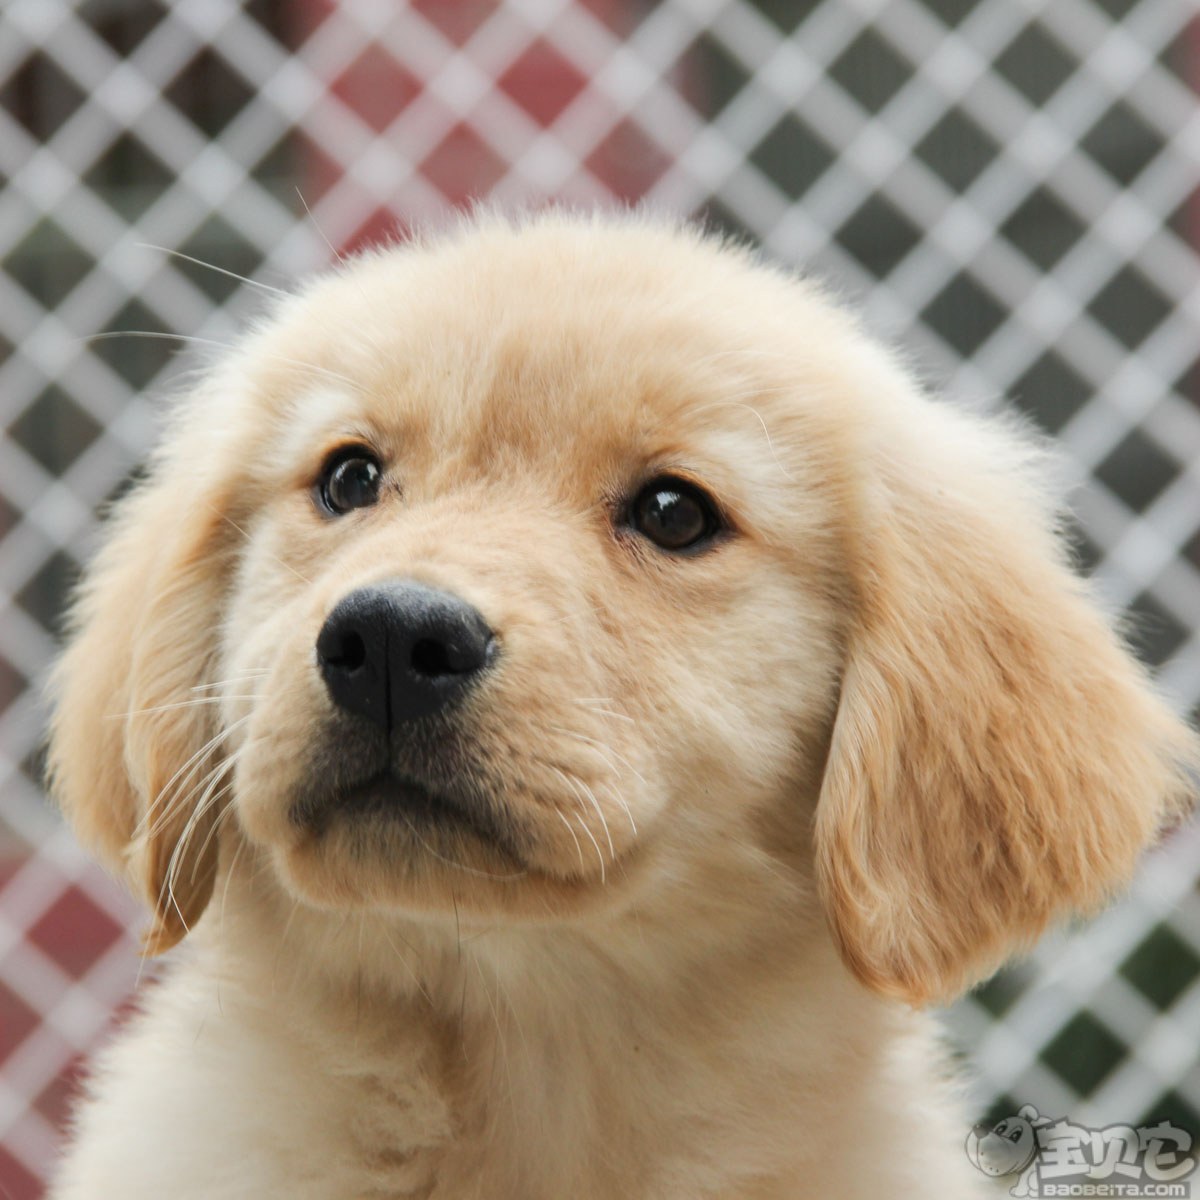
(1010,189)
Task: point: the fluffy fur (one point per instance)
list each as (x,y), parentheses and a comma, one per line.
(878,726)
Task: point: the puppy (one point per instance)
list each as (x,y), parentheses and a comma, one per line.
(574,698)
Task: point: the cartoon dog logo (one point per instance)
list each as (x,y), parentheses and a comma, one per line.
(1007,1147)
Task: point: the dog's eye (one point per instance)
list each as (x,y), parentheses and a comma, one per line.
(673,514)
(349,479)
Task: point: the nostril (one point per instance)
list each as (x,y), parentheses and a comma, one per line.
(436,657)
(431,658)
(348,652)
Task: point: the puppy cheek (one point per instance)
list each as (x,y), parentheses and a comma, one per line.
(759,715)
(272,760)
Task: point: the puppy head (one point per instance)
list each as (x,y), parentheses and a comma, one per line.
(520,574)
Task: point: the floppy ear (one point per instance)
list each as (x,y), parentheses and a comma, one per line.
(131,757)
(998,758)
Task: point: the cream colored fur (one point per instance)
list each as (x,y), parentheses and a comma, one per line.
(878,726)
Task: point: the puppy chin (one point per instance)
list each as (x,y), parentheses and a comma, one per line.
(378,867)
(374,836)
(372,860)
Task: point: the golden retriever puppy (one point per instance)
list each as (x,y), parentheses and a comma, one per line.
(574,699)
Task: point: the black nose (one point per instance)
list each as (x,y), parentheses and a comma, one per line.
(398,651)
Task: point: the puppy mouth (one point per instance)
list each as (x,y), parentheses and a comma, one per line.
(390,797)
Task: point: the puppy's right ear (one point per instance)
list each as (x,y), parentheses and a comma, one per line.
(127,758)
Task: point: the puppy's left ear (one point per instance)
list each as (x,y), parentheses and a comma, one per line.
(128,758)
(998,758)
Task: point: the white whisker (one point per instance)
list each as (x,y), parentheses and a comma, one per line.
(600,813)
(337,255)
(578,847)
(404,961)
(195,702)
(591,838)
(612,791)
(224,900)
(242,677)
(460,866)
(501,1041)
(594,706)
(570,782)
(758,417)
(199,262)
(163,801)
(605,751)
(287,926)
(211,795)
(163,335)
(222,817)
(280,561)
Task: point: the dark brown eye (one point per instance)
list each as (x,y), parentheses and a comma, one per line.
(350,479)
(673,514)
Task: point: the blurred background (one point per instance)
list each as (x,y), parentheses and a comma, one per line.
(1009,188)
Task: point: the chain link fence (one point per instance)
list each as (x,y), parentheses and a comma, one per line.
(1009,187)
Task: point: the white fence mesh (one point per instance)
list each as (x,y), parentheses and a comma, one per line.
(1009,188)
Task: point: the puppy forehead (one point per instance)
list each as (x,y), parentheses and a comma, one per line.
(504,352)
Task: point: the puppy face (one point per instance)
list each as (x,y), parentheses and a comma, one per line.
(523,573)
(589,543)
